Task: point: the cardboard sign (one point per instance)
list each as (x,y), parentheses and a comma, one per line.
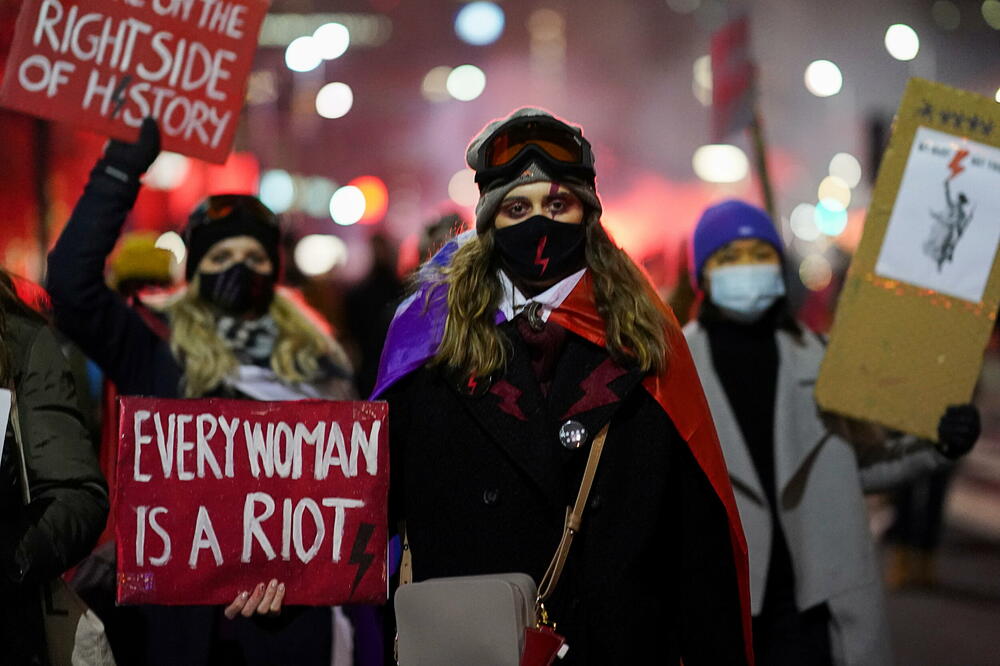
(215,496)
(106,64)
(921,294)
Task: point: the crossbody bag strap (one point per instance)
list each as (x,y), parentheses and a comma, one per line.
(406,561)
(15,423)
(574,518)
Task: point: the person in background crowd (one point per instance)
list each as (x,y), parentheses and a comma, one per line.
(915,533)
(529,335)
(798,474)
(369,306)
(229,333)
(436,233)
(139,265)
(69,501)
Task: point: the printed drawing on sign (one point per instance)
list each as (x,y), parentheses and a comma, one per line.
(945,224)
(215,495)
(949,223)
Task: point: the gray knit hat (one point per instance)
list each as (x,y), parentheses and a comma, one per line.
(489,201)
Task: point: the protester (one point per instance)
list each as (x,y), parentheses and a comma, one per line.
(368,307)
(230,333)
(526,337)
(69,501)
(798,474)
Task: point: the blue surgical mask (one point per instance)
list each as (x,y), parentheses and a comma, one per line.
(745,292)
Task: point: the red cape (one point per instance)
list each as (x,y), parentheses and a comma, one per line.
(678,391)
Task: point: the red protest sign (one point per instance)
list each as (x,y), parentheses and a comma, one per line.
(106,64)
(216,495)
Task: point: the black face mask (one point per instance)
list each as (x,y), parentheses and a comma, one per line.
(238,290)
(541,248)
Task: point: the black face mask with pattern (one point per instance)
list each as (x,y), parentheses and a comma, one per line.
(541,248)
(238,290)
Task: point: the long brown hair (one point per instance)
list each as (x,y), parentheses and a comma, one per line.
(635,327)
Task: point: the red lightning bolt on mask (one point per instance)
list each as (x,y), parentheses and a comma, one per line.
(956,163)
(539,260)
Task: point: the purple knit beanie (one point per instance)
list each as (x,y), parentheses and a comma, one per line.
(725,222)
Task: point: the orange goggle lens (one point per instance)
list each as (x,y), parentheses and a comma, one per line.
(506,146)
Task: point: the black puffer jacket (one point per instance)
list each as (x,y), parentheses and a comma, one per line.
(69,497)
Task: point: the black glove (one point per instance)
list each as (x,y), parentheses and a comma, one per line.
(128,161)
(958,430)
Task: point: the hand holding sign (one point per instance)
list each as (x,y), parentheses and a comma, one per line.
(134,159)
(266,600)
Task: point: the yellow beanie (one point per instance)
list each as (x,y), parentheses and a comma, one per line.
(138,258)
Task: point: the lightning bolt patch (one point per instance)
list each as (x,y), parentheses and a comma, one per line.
(472,384)
(595,388)
(359,557)
(956,163)
(509,395)
(539,260)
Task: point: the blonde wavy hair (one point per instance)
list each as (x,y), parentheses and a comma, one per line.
(635,325)
(206,360)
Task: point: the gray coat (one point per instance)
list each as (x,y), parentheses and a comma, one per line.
(820,479)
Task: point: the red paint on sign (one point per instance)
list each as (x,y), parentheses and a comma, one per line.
(215,496)
(105,65)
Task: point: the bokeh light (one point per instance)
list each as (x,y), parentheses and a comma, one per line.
(316,254)
(462,188)
(479,23)
(303,55)
(823,78)
(720,163)
(435,84)
(702,80)
(815,272)
(846,167)
(946,14)
(172,241)
(997,96)
(314,195)
(831,217)
(376,196)
(168,171)
(331,40)
(334,100)
(466,82)
(347,205)
(277,190)
(991,13)
(836,189)
(803,222)
(902,42)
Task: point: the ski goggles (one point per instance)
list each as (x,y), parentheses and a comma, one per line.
(527,139)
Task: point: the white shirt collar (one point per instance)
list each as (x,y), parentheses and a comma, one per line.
(514,301)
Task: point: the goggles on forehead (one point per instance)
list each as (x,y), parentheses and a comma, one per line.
(527,139)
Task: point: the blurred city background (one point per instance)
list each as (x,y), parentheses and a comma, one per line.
(359,111)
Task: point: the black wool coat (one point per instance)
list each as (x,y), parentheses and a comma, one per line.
(482,482)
